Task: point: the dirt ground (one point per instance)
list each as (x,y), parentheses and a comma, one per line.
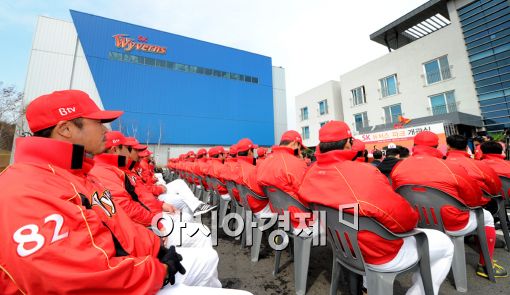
(237,271)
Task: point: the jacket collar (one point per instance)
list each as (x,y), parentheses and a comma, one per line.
(283,149)
(422,150)
(233,160)
(457,154)
(114,160)
(493,156)
(216,160)
(59,153)
(336,156)
(247,159)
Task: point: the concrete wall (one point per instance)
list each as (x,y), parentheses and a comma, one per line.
(329,91)
(407,62)
(279,103)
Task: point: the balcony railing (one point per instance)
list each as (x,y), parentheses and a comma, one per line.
(444,109)
(436,76)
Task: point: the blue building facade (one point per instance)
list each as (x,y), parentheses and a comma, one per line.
(177,90)
(486,28)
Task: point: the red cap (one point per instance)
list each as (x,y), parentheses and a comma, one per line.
(426,138)
(358,145)
(201,152)
(261,151)
(190,153)
(47,110)
(293,135)
(133,142)
(114,138)
(245,144)
(216,150)
(334,131)
(144,153)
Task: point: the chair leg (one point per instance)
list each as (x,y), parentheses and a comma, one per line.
(482,238)
(424,263)
(277,257)
(243,235)
(379,283)
(223,211)
(459,264)
(503,217)
(257,240)
(301,260)
(335,276)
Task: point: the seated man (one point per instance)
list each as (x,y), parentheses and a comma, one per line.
(390,160)
(216,158)
(426,167)
(284,168)
(493,156)
(377,154)
(63,223)
(247,175)
(261,155)
(336,180)
(484,175)
(230,169)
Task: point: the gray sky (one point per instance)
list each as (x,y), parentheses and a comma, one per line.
(314,40)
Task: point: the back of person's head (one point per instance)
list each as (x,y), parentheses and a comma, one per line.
(457,142)
(392,152)
(403,152)
(478,139)
(334,135)
(426,138)
(377,154)
(491,147)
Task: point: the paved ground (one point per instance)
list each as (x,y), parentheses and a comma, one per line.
(237,271)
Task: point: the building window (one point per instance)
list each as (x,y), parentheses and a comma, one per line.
(443,103)
(305,132)
(391,113)
(437,70)
(323,107)
(358,96)
(304,114)
(361,121)
(323,123)
(389,85)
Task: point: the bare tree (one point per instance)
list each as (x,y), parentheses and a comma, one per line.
(11,111)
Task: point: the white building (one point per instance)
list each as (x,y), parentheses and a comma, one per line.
(448,63)
(315,108)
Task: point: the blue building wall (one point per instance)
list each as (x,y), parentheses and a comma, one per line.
(197,92)
(486,28)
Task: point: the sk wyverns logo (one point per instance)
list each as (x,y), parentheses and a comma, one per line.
(104,202)
(123,41)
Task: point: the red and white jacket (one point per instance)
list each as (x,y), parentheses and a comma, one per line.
(336,180)
(486,177)
(51,242)
(426,167)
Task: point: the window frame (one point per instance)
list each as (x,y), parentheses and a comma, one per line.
(302,112)
(363,96)
(390,112)
(445,100)
(364,120)
(326,107)
(382,87)
(305,135)
(441,74)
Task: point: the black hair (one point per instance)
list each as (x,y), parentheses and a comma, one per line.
(46,133)
(392,152)
(244,154)
(215,156)
(403,152)
(479,139)
(377,154)
(491,147)
(457,141)
(325,147)
(285,142)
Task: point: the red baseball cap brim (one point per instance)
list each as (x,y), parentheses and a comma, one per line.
(140,147)
(104,116)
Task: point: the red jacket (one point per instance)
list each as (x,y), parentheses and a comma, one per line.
(498,163)
(200,169)
(108,172)
(336,180)
(215,166)
(285,171)
(54,244)
(486,177)
(230,171)
(248,176)
(426,167)
(146,173)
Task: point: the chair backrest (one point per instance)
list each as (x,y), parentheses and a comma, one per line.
(244,191)
(344,238)
(231,185)
(506,186)
(280,201)
(213,183)
(428,202)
